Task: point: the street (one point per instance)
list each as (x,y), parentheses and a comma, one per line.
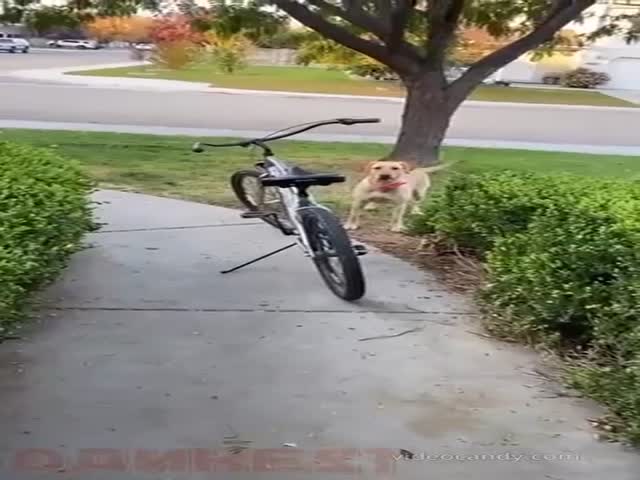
(41,101)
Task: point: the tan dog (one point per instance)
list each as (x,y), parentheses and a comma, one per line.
(392,182)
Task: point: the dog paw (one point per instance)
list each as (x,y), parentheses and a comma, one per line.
(398,228)
(370,207)
(350,226)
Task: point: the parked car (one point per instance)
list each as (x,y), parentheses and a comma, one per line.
(144,46)
(14,45)
(77,44)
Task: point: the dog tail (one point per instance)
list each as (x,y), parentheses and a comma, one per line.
(437,168)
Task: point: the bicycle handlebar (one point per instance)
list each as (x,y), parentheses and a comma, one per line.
(197,147)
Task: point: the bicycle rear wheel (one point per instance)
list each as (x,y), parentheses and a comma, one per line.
(257,198)
(333,253)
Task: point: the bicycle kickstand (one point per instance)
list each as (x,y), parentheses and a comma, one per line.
(270,254)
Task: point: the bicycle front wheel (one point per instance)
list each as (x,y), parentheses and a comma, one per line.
(333,253)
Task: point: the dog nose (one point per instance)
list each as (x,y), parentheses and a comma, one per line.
(384,176)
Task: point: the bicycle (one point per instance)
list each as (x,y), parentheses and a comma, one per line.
(280,198)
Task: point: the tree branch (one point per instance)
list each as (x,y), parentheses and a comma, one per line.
(354,15)
(401,61)
(556,19)
(399,17)
(443,17)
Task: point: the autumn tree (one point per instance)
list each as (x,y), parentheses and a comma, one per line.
(125,29)
(414,38)
(174,28)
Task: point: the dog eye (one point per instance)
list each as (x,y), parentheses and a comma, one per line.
(377,168)
(395,168)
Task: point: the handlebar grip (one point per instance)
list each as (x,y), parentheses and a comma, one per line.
(197,148)
(353,121)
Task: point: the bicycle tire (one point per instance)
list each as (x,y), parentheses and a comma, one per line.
(320,226)
(253,205)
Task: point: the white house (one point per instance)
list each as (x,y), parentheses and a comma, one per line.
(612,55)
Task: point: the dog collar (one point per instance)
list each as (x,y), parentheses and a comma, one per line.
(387,187)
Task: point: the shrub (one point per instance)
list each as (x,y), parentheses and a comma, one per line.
(175,55)
(585,78)
(368,68)
(44,212)
(173,28)
(574,275)
(319,50)
(229,53)
(475,210)
(563,268)
(616,386)
(573,280)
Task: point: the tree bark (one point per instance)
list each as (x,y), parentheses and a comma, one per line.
(425,120)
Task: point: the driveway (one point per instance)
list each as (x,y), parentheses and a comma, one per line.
(147,363)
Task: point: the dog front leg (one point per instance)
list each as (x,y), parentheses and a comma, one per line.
(353,222)
(397,221)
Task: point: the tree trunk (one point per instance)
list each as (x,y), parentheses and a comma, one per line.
(425,120)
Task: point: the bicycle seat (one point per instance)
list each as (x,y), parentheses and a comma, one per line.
(300,177)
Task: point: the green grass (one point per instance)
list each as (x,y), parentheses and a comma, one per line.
(318,80)
(165,165)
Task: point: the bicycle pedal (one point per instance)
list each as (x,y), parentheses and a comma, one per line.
(251,214)
(360,249)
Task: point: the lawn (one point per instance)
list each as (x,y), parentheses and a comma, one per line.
(318,80)
(165,165)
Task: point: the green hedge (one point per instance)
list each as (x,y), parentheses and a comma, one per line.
(44,212)
(475,210)
(563,261)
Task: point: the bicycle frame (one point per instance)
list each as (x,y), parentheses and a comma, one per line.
(292,199)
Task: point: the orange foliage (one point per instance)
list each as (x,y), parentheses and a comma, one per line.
(125,29)
(174,28)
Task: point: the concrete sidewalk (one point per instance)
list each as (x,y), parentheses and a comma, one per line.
(320,137)
(147,363)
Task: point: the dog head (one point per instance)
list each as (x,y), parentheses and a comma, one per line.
(385,171)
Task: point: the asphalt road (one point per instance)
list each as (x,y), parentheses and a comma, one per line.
(38,101)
